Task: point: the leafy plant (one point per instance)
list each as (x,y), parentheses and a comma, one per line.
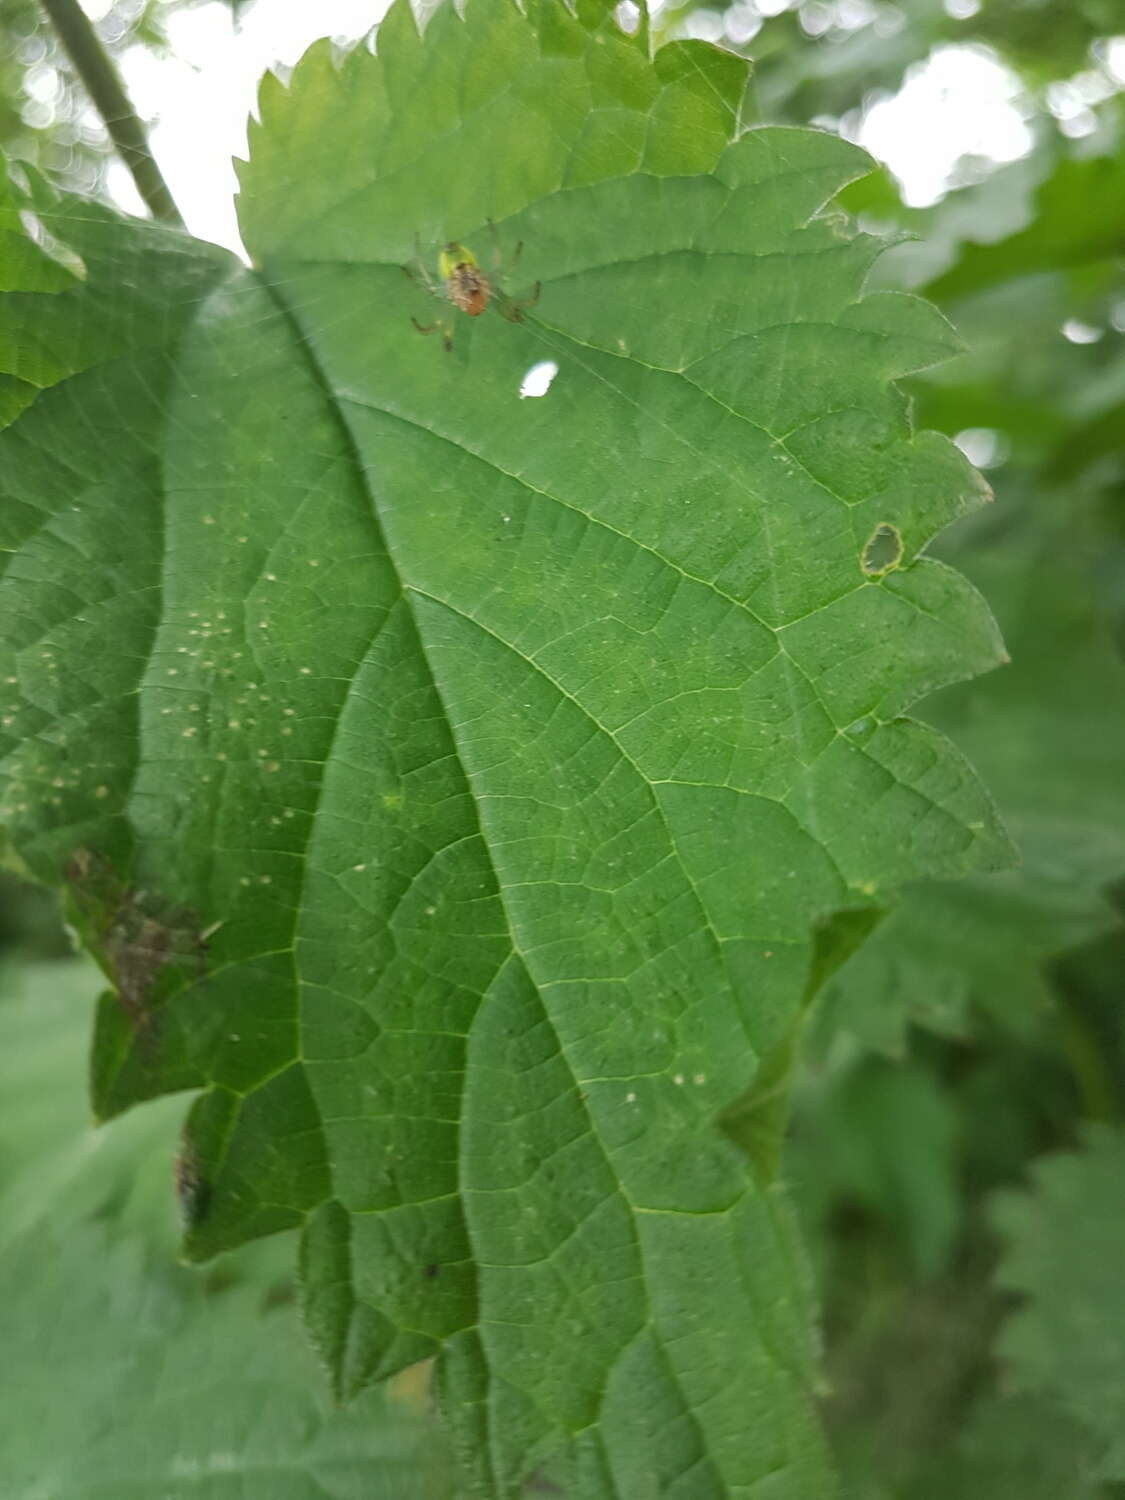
(468,794)
(1067,1342)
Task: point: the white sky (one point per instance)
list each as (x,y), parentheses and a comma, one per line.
(200,96)
(961,101)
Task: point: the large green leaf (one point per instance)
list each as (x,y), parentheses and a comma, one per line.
(458,789)
(125,1376)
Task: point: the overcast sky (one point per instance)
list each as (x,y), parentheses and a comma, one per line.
(962,101)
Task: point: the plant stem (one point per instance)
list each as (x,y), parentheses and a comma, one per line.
(97,72)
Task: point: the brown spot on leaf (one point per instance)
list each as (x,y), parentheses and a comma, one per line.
(537,1483)
(136,934)
(193,1191)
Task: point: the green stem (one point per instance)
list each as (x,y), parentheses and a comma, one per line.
(97,72)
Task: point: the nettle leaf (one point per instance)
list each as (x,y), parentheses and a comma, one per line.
(1013,1448)
(1047,738)
(458,789)
(1077,221)
(1067,1341)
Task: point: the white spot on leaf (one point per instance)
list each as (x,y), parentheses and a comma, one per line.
(537,381)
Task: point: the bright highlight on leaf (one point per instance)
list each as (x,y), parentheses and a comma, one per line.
(537,381)
(536,759)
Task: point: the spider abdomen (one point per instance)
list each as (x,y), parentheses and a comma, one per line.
(468,288)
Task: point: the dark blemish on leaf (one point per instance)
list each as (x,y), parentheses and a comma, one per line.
(431,1271)
(141,940)
(193,1191)
(882,551)
(219,1278)
(538,1484)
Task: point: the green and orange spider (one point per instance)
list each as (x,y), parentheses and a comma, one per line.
(470,289)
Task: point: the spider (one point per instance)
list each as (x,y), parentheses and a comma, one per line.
(462,281)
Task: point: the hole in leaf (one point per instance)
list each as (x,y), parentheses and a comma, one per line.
(861,728)
(537,381)
(883,550)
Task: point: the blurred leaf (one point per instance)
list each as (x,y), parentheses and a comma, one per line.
(821,60)
(1088,984)
(124,1375)
(1065,1253)
(53,1163)
(1078,219)
(882,1138)
(1045,39)
(901,1356)
(46,115)
(1014,1448)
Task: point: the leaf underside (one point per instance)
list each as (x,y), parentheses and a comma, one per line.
(453,784)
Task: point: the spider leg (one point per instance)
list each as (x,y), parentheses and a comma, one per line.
(438,327)
(418,273)
(421,277)
(498,265)
(512,308)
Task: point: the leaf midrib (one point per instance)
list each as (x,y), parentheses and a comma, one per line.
(406,590)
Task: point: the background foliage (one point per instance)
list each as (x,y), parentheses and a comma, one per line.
(46,117)
(957,1128)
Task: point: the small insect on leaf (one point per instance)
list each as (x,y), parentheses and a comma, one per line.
(466,285)
(462,281)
